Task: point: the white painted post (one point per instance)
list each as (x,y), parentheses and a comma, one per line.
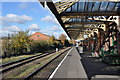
(56,49)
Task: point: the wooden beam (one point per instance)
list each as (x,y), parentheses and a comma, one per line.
(79,17)
(62,6)
(79,30)
(107,6)
(42,3)
(99,6)
(114,6)
(89,14)
(74,23)
(73,31)
(93,3)
(54,11)
(81,27)
(65,19)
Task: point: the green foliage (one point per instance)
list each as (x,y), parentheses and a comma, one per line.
(16,44)
(7,48)
(51,40)
(67,43)
(21,42)
(71,41)
(40,46)
(57,44)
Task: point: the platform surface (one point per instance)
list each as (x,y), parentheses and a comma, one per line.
(82,66)
(71,67)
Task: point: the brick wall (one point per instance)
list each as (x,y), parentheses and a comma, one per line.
(39,36)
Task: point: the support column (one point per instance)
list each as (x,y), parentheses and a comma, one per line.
(118,22)
(118,35)
(98,44)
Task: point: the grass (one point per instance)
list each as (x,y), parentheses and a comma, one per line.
(11,59)
(35,66)
(28,71)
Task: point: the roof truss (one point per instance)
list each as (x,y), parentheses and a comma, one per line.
(63,17)
(90,14)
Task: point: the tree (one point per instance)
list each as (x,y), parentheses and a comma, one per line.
(40,46)
(51,39)
(21,42)
(62,37)
(6,46)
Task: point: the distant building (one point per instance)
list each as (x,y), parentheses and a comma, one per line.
(39,36)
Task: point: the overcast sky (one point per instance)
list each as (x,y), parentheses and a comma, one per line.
(17,16)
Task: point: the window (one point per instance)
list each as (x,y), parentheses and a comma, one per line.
(38,35)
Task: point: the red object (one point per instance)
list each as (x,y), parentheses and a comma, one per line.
(39,36)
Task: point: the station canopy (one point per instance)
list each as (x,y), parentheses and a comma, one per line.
(81,17)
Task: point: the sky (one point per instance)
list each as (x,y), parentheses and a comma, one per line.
(17,16)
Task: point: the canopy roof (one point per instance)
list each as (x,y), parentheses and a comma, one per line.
(80,17)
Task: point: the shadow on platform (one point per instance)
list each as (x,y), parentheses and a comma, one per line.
(95,68)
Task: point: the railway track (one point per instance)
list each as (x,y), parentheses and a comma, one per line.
(14,62)
(48,64)
(9,68)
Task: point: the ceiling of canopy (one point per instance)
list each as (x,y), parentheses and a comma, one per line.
(82,17)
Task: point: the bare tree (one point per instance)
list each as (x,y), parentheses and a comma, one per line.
(63,37)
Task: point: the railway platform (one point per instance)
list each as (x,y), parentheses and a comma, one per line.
(71,67)
(84,67)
